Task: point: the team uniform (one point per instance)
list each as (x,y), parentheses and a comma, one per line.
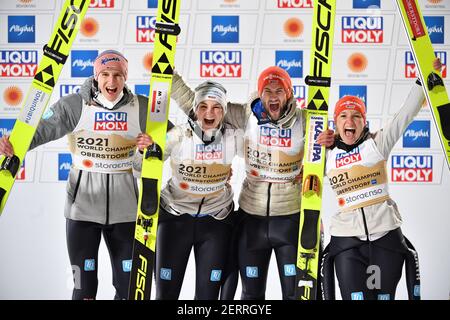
(269,203)
(101,190)
(365,232)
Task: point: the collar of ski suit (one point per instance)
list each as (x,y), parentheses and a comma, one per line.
(263,117)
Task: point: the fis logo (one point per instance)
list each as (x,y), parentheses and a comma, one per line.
(220,64)
(417,135)
(165,274)
(126,265)
(111,121)
(412,168)
(64,165)
(410,64)
(366,4)
(18,63)
(357,295)
(145,28)
(6,126)
(435,26)
(358,91)
(300,95)
(225,29)
(101,4)
(83,63)
(362,29)
(89,265)
(152,4)
(66,89)
(251,272)
(297,4)
(208,152)
(346,158)
(142,89)
(276,137)
(291,61)
(21,29)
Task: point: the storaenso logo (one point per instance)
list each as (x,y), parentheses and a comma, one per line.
(141,278)
(68,24)
(169,8)
(322,53)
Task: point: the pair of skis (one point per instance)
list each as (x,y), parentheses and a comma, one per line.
(309,244)
(55,55)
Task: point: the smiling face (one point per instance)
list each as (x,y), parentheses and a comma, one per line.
(111,83)
(274,99)
(209,114)
(350,125)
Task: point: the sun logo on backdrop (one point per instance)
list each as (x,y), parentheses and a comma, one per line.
(229,1)
(25,1)
(357,62)
(435,1)
(13,96)
(89,27)
(293,27)
(147,61)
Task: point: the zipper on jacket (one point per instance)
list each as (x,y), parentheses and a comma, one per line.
(200,207)
(366,230)
(77,185)
(268,199)
(107,199)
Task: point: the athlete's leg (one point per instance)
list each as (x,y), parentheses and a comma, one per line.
(83,240)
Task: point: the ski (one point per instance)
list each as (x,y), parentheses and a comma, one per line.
(55,55)
(319,81)
(167,29)
(432,84)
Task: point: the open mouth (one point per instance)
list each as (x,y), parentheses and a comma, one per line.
(209,122)
(349,132)
(274,106)
(111,90)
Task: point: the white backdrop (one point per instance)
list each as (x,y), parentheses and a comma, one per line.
(34,261)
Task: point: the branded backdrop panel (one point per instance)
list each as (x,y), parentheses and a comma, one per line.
(230,41)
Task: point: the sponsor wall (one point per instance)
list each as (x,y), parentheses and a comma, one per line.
(230,41)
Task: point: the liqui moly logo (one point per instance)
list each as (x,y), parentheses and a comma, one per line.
(411,69)
(295,4)
(208,152)
(412,168)
(367,29)
(18,63)
(220,64)
(66,89)
(435,26)
(21,29)
(300,95)
(346,158)
(291,61)
(145,28)
(225,29)
(101,4)
(276,137)
(111,121)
